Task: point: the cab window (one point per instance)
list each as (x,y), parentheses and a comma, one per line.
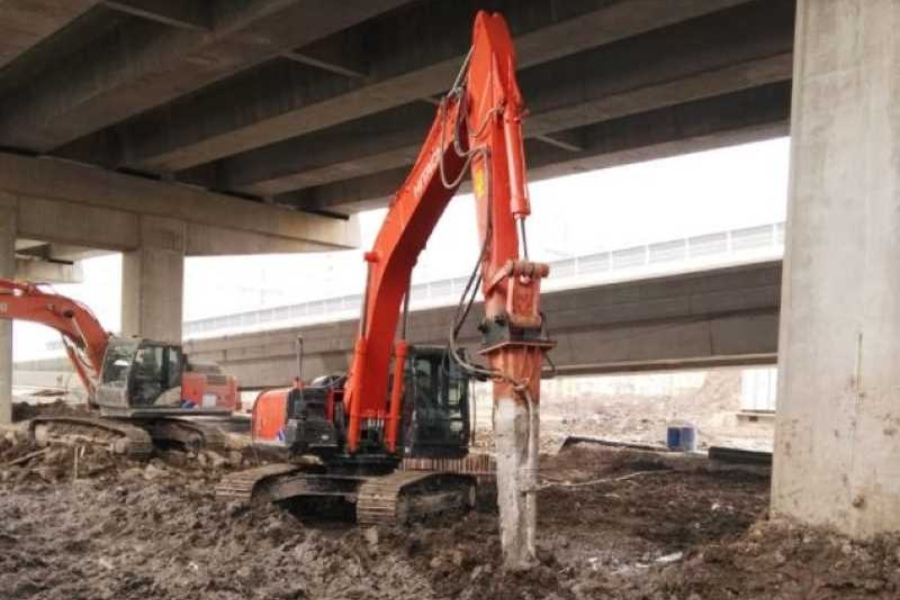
(148,377)
(173,367)
(117,362)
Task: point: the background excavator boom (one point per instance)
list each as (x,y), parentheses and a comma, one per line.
(85,338)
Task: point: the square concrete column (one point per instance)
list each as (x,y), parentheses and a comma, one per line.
(153,281)
(837,449)
(7,271)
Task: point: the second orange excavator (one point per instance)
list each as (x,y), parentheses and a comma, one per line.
(138,389)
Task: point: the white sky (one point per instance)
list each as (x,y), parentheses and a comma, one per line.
(612,208)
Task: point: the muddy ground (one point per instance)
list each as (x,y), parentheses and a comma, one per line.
(613,525)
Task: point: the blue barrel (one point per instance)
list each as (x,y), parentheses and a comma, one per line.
(681,438)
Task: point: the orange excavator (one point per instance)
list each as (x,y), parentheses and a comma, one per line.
(402,401)
(137,389)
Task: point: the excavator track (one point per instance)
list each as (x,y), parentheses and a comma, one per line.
(405,496)
(243,485)
(119,437)
(192,435)
(395,499)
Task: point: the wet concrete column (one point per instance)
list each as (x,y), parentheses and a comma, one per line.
(7,271)
(516,480)
(837,452)
(516,420)
(153,281)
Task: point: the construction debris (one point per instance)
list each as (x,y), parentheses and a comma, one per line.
(153,530)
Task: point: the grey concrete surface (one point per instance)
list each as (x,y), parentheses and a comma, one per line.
(600,84)
(221,114)
(695,320)
(322,106)
(122,70)
(838,427)
(7,270)
(153,281)
(42,271)
(64,202)
(419,53)
(25,23)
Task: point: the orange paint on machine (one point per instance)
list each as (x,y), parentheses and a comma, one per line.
(270,416)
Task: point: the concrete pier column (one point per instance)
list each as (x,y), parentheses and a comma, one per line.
(516,420)
(153,281)
(837,453)
(516,479)
(8,271)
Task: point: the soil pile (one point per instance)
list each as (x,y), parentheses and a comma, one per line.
(22,461)
(612,525)
(163,536)
(781,561)
(22,411)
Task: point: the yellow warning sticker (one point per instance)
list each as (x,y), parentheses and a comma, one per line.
(478,180)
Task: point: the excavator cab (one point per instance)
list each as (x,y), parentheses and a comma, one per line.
(143,378)
(140,374)
(435,412)
(435,405)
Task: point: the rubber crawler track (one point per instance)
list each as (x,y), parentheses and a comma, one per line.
(129,439)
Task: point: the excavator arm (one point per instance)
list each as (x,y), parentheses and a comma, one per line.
(478,128)
(83,335)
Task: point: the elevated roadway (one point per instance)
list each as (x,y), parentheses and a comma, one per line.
(727,316)
(721,317)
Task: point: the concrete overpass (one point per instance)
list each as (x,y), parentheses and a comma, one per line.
(726,316)
(164,129)
(322,106)
(719,317)
(169,129)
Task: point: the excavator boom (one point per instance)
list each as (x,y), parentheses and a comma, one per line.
(478,128)
(85,338)
(478,125)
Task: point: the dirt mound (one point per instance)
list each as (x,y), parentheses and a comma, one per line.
(782,561)
(169,538)
(772,561)
(614,525)
(22,411)
(464,561)
(638,408)
(642,505)
(23,461)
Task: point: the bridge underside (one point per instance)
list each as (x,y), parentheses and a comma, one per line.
(321,106)
(168,129)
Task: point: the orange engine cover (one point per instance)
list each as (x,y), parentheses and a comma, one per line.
(270,416)
(210,390)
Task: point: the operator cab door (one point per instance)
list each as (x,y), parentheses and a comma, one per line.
(156,376)
(140,374)
(435,405)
